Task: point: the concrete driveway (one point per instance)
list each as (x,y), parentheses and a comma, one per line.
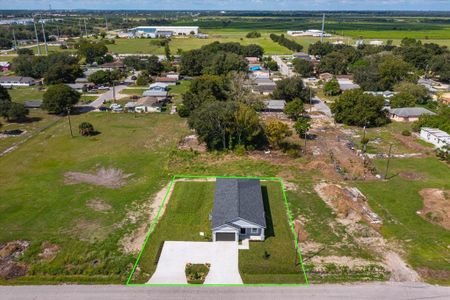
(223,257)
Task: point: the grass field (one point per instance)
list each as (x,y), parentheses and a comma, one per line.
(397,202)
(39,207)
(22,94)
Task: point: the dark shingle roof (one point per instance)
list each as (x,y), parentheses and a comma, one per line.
(238,198)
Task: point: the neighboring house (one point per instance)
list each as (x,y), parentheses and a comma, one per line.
(10,81)
(238,211)
(33,104)
(435,136)
(81,80)
(261,74)
(408,114)
(302,55)
(274,105)
(5,66)
(115,65)
(173,75)
(264,89)
(148,104)
(155,93)
(263,81)
(168,80)
(347,84)
(159,86)
(252,60)
(325,77)
(81,87)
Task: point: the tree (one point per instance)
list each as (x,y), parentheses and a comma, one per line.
(25,51)
(403,99)
(91,50)
(4,95)
(270,64)
(276,131)
(441,120)
(58,98)
(291,88)
(253,35)
(5,43)
(203,89)
(143,79)
(440,66)
(294,109)
(334,63)
(394,70)
(332,87)
(5,102)
(86,129)
(303,67)
(17,112)
(214,122)
(247,126)
(62,73)
(167,51)
(154,66)
(320,49)
(223,63)
(419,92)
(354,107)
(301,126)
(101,77)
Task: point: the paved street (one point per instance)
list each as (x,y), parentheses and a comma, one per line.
(319,105)
(106,96)
(378,291)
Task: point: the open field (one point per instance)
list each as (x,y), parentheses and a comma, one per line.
(85,221)
(22,94)
(398,200)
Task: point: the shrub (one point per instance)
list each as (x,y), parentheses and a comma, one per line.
(406,133)
(86,129)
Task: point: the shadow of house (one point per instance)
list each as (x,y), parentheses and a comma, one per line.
(269,232)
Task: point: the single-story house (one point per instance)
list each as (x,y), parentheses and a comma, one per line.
(4,66)
(81,87)
(261,74)
(263,81)
(81,80)
(115,65)
(149,104)
(435,136)
(172,75)
(168,80)
(10,81)
(130,106)
(263,89)
(274,105)
(408,114)
(347,84)
(33,104)
(238,211)
(155,93)
(325,77)
(159,86)
(302,55)
(252,59)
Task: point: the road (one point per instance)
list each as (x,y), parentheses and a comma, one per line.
(283,68)
(319,105)
(378,291)
(106,96)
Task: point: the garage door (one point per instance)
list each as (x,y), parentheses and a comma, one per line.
(225,236)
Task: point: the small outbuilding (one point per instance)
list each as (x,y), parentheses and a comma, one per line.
(437,137)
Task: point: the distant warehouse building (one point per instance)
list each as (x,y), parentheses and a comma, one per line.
(163,31)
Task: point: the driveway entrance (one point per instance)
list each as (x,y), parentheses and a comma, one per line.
(223,257)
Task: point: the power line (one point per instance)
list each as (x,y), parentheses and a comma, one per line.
(37,38)
(45,39)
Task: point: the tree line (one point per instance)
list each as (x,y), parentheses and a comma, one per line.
(283,41)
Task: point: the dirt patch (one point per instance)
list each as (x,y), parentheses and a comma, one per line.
(90,230)
(107,177)
(9,253)
(402,272)
(49,251)
(300,231)
(98,205)
(412,175)
(192,143)
(434,274)
(436,207)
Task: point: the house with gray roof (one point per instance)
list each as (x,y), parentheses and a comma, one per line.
(238,211)
(408,114)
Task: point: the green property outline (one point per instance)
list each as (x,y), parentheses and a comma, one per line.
(153,224)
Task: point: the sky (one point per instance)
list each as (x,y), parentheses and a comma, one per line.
(441,5)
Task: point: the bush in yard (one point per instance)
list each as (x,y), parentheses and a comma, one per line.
(302,126)
(332,88)
(183,111)
(406,133)
(276,131)
(86,129)
(17,112)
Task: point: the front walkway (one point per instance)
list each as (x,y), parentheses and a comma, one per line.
(223,257)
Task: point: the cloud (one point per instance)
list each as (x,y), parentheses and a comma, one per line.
(443,5)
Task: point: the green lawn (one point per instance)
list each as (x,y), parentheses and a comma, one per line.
(134,91)
(282,263)
(397,201)
(22,94)
(36,205)
(185,216)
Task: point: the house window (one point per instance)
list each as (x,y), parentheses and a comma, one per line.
(243,231)
(254,230)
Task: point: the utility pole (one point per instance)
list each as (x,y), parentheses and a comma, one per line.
(387,164)
(85,28)
(14,36)
(323,27)
(114,91)
(45,39)
(70,124)
(37,38)
(81,30)
(57,30)
(310,99)
(106,23)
